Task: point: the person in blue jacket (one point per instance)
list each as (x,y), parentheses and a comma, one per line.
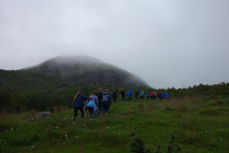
(92,105)
(130,94)
(142,94)
(166,95)
(78,104)
(147,94)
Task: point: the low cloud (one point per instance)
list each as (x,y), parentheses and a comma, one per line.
(167,43)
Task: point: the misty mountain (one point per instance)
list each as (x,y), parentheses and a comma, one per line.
(84,70)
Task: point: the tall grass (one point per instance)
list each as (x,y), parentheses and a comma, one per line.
(199,123)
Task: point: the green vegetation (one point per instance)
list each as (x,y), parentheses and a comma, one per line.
(197,117)
(24,91)
(200,125)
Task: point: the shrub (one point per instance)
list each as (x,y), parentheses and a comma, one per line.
(137,146)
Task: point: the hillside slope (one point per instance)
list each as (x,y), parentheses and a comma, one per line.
(53,83)
(19,79)
(199,124)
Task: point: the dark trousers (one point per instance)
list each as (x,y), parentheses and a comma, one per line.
(91,112)
(114,99)
(105,108)
(123,98)
(100,105)
(76,112)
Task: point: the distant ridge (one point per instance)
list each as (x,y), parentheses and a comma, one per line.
(86,70)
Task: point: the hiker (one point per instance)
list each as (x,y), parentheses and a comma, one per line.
(151,95)
(159,96)
(155,95)
(166,96)
(130,93)
(114,96)
(136,94)
(78,104)
(106,100)
(123,95)
(142,94)
(92,105)
(99,96)
(147,94)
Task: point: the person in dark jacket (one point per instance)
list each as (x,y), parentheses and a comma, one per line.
(147,94)
(99,96)
(114,95)
(106,101)
(136,94)
(78,104)
(123,95)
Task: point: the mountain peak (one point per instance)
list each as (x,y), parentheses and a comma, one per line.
(86,70)
(72,60)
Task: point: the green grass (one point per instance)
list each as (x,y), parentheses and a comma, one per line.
(201,125)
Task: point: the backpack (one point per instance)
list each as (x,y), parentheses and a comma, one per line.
(105,98)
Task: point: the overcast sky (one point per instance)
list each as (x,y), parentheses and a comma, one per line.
(168,43)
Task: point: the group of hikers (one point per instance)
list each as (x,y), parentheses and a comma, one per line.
(96,103)
(99,102)
(143,94)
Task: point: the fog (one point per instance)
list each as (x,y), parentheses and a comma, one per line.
(168,43)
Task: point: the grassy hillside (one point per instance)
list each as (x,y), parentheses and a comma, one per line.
(22,90)
(17,80)
(201,125)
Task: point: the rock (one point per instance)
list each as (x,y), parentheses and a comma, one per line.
(43,115)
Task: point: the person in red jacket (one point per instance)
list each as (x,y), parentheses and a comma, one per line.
(151,95)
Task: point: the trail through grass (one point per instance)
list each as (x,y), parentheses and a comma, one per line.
(201,125)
